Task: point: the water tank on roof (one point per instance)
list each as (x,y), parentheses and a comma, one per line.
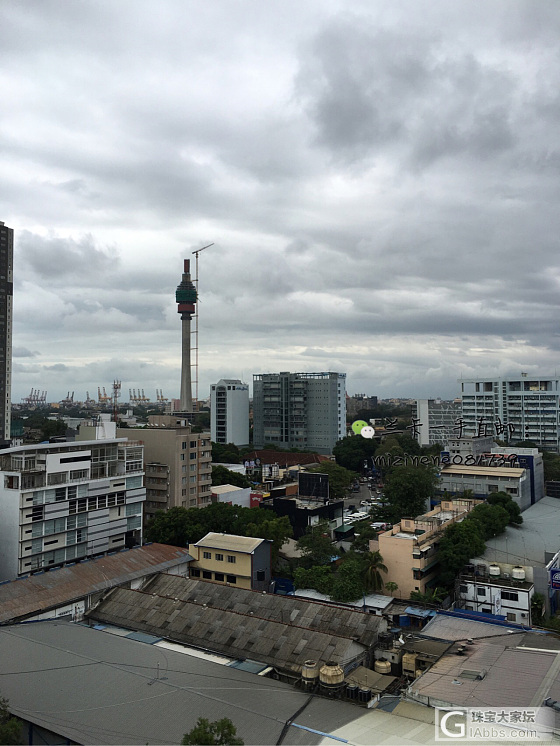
(351,691)
(331,676)
(382,666)
(518,573)
(494,571)
(310,671)
(364,694)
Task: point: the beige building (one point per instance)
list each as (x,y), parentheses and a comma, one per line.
(178,464)
(240,561)
(409,549)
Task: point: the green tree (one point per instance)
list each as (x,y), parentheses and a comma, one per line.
(348,583)
(206,733)
(372,564)
(433,596)
(391,587)
(10,727)
(363,532)
(221,475)
(351,452)
(503,499)
(318,577)
(278,530)
(225,453)
(460,543)
(340,478)
(492,519)
(316,545)
(408,490)
(537,608)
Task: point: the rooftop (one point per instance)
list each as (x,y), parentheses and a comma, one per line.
(229,542)
(484,471)
(94,688)
(46,590)
(530,543)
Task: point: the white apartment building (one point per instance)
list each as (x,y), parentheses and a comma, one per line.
(63,502)
(436,420)
(229,412)
(513,409)
(502,589)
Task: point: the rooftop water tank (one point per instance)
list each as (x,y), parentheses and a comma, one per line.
(382,666)
(310,670)
(331,675)
(494,571)
(518,573)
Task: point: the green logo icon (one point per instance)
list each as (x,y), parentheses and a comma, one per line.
(358,425)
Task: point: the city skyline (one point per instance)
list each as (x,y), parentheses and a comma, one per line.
(380,186)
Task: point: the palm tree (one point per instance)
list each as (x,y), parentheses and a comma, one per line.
(391,587)
(373,567)
(432,597)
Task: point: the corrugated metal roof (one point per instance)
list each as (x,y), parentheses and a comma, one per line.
(43,591)
(94,688)
(229,541)
(282,631)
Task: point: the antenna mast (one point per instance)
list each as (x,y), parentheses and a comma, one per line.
(195,333)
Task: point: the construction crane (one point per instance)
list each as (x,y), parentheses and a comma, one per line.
(68,400)
(103,398)
(116,394)
(35,398)
(89,402)
(195,333)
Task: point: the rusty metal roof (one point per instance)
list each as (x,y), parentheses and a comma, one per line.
(47,590)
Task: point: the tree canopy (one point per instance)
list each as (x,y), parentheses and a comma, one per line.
(316,545)
(205,733)
(181,526)
(408,490)
(340,478)
(10,727)
(221,475)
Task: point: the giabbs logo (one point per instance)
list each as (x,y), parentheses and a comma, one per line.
(450,724)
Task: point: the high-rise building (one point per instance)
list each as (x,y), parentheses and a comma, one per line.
(6,293)
(513,409)
(437,421)
(63,502)
(299,410)
(229,412)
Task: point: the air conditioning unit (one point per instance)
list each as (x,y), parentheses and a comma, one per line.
(524,614)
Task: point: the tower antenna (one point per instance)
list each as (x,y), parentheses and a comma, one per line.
(195,334)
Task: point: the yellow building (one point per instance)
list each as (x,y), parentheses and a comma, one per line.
(240,561)
(410,548)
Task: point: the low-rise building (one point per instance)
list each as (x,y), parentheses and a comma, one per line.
(501,590)
(241,561)
(484,480)
(305,512)
(410,549)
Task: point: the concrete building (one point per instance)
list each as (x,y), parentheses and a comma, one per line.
(513,409)
(6,294)
(229,412)
(358,402)
(241,561)
(299,410)
(436,420)
(63,502)
(178,463)
(410,549)
(484,480)
(503,590)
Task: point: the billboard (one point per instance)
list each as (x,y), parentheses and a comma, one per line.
(313,485)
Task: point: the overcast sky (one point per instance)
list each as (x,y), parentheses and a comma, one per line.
(380,181)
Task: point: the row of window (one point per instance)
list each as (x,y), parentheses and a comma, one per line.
(220,577)
(96,502)
(56,557)
(59,494)
(219,557)
(506,595)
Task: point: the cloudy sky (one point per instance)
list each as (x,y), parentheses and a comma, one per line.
(380,180)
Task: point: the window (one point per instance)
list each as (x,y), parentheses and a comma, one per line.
(231,579)
(207,555)
(207,575)
(193,443)
(195,572)
(219,576)
(231,559)
(510,596)
(219,557)
(511,617)
(481,591)
(463,589)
